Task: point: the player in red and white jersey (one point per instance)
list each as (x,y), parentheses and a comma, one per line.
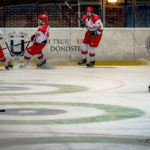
(92,37)
(3,59)
(39,41)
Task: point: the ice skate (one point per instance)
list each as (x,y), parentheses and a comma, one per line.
(82,63)
(41,65)
(91,64)
(9,66)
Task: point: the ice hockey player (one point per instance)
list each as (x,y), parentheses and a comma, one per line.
(39,41)
(92,37)
(3,59)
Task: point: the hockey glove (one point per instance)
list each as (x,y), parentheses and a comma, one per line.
(44,42)
(32,37)
(94,34)
(82,24)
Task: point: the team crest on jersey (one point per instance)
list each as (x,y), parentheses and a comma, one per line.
(17,42)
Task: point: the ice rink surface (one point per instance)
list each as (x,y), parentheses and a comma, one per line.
(75,108)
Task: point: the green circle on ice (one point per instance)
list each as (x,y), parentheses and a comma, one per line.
(112,113)
(50,89)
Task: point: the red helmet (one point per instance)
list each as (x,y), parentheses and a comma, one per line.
(43,17)
(89,9)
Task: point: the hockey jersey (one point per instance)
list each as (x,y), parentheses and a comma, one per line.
(42,34)
(94,23)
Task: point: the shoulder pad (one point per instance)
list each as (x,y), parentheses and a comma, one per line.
(43,28)
(95,18)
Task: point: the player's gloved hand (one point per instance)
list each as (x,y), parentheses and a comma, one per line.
(82,24)
(94,34)
(44,42)
(32,37)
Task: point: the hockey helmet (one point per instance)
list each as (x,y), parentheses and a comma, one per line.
(89,9)
(43,17)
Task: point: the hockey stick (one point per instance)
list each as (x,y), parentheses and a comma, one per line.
(70,7)
(67,4)
(8,47)
(26,63)
(25,48)
(12,55)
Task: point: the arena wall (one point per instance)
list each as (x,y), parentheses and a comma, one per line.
(116,44)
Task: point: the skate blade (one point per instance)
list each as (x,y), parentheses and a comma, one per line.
(41,67)
(46,66)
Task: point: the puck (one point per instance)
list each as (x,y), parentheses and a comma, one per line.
(2,110)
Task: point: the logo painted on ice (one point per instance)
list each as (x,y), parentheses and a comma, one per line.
(17,43)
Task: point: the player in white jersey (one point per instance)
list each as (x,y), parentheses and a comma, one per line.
(92,37)
(39,41)
(3,59)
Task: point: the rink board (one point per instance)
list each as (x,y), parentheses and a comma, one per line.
(116,44)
